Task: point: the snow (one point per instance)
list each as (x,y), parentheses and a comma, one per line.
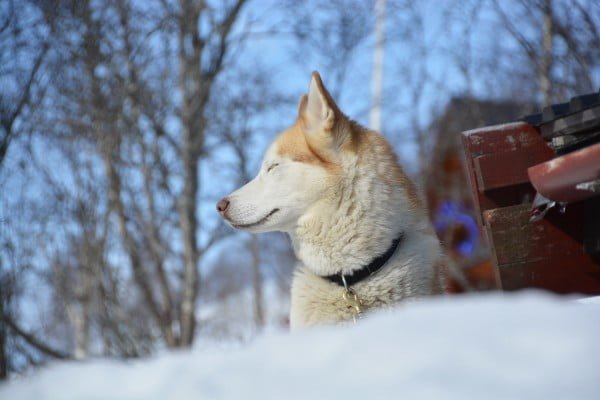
(526,346)
(590,300)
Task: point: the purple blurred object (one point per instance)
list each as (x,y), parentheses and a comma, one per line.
(450,214)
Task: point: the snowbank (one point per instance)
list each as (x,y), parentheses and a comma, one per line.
(527,346)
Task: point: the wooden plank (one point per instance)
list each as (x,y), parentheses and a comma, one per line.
(559,274)
(507,196)
(548,254)
(591,240)
(501,138)
(508,168)
(516,239)
(471,176)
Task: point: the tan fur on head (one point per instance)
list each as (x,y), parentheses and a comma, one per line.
(337,189)
(322,122)
(293,144)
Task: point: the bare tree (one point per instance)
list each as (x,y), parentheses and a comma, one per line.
(562,53)
(144,171)
(331,37)
(22,54)
(14,43)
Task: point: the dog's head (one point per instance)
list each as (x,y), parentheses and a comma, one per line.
(299,169)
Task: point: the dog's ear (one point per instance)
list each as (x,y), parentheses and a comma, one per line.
(318,112)
(319,115)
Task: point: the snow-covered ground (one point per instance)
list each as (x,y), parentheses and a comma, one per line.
(524,346)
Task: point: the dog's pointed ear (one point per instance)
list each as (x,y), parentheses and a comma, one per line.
(302,105)
(320,115)
(317,107)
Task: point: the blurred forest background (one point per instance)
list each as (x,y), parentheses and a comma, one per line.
(122,122)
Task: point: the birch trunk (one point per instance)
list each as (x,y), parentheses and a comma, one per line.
(376,87)
(192,104)
(546,62)
(3,360)
(257,287)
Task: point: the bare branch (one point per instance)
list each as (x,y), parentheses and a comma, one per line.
(35,342)
(9,17)
(527,46)
(223,30)
(8,117)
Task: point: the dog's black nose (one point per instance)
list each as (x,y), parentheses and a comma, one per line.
(222,205)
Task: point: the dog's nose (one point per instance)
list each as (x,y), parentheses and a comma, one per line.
(222,205)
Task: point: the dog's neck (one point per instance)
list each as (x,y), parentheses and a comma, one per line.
(334,242)
(359,275)
(357,223)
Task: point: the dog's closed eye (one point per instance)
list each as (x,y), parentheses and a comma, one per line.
(271,167)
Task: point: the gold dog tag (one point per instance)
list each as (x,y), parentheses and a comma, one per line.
(353,301)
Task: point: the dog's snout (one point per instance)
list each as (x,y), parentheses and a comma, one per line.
(222,205)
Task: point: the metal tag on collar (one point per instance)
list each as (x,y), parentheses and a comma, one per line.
(352,299)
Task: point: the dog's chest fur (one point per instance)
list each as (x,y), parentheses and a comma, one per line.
(410,274)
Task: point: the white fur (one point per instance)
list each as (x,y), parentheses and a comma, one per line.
(283,187)
(341,218)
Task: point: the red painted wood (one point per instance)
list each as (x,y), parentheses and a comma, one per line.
(557,179)
(516,239)
(493,161)
(503,169)
(554,274)
(548,254)
(502,138)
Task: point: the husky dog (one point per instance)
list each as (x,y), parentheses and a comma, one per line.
(359,230)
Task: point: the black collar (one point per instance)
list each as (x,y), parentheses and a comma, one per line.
(369,269)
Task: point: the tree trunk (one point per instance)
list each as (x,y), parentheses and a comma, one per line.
(3,360)
(546,62)
(190,85)
(80,322)
(376,88)
(257,286)
(139,273)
